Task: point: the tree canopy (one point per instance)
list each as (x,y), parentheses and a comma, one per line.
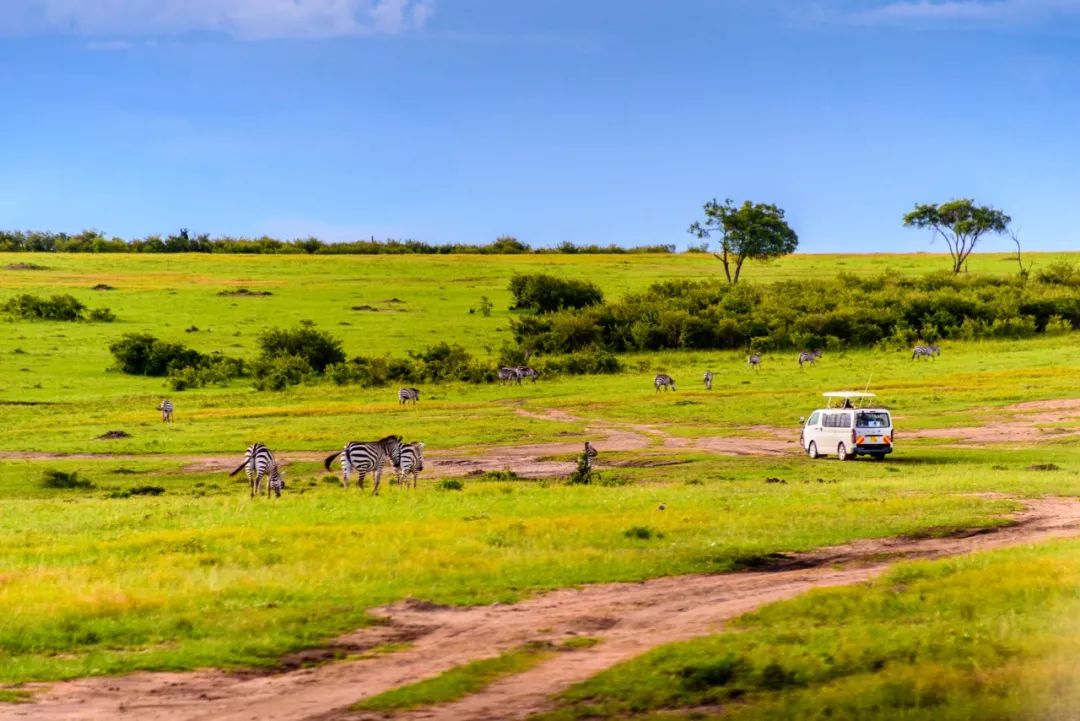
(750,230)
(960,223)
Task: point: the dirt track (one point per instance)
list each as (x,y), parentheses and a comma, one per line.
(628,618)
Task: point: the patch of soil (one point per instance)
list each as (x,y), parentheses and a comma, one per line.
(371,308)
(628,618)
(25,266)
(103,286)
(113,435)
(245,293)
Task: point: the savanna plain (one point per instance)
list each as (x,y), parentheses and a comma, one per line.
(155,560)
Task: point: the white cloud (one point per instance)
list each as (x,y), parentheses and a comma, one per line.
(983,12)
(246,19)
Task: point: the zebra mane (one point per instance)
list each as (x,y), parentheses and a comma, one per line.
(389,438)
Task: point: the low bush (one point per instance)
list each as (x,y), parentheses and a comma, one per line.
(542,293)
(450,484)
(834,313)
(56,307)
(60,480)
(317,348)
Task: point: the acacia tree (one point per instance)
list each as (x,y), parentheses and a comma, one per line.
(960,223)
(750,230)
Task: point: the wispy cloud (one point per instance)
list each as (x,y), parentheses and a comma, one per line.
(980,12)
(244,19)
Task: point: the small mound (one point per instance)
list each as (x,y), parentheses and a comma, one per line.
(1044,467)
(394,300)
(103,286)
(245,293)
(113,435)
(365,307)
(25,266)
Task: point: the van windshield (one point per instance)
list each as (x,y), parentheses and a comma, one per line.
(872,419)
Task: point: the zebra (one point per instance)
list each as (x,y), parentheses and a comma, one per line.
(410,459)
(166,409)
(526,372)
(587,455)
(708,380)
(365,458)
(754,361)
(508,374)
(259,462)
(809,357)
(408,394)
(663,379)
(927,351)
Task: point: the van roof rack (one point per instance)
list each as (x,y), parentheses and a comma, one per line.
(846,398)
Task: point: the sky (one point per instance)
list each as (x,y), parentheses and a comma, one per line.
(596,121)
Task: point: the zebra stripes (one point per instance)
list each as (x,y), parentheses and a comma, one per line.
(754,361)
(508,374)
(259,462)
(809,357)
(587,455)
(408,394)
(166,409)
(410,459)
(708,380)
(925,351)
(527,372)
(663,379)
(366,458)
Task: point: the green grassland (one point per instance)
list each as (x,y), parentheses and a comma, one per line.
(98,581)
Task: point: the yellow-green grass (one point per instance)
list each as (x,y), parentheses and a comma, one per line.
(201,576)
(459,681)
(989,636)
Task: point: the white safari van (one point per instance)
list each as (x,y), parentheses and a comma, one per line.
(849,426)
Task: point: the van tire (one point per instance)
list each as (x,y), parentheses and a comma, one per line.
(842,454)
(811,450)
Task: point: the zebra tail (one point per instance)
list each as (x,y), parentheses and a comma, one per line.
(239,468)
(330,459)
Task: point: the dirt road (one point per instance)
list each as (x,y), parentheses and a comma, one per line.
(628,618)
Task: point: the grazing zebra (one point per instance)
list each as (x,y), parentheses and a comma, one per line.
(259,462)
(365,458)
(708,381)
(526,372)
(410,459)
(754,361)
(809,357)
(663,379)
(408,394)
(508,374)
(587,456)
(166,409)
(927,351)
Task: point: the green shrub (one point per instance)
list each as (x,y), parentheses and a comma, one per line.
(542,293)
(144,355)
(277,373)
(317,348)
(450,484)
(57,307)
(60,480)
(101,315)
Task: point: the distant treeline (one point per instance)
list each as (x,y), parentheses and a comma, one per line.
(826,313)
(92,241)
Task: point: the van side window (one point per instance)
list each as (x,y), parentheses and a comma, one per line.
(813,419)
(830,420)
(845,420)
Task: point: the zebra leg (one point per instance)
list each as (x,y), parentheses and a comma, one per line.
(378,477)
(251,481)
(345,470)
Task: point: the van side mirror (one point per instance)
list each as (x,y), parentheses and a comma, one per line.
(802,420)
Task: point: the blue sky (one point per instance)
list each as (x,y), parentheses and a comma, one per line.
(597,121)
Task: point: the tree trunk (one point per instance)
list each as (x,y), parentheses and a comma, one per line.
(727,268)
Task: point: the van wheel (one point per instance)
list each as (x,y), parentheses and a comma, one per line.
(812,450)
(878,456)
(841,453)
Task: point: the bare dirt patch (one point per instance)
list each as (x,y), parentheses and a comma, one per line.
(1021,423)
(628,618)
